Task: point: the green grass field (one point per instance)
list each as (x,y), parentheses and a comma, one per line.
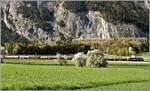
(44,74)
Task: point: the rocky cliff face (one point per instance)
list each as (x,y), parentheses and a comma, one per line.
(45,21)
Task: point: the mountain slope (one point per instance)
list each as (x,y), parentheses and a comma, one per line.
(45,21)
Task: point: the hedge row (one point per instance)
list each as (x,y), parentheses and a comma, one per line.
(116,47)
(46,49)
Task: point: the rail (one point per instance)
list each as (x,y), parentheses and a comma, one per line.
(69,57)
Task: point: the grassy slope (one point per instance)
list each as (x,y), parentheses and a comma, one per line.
(36,75)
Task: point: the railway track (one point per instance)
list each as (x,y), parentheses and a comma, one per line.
(69,57)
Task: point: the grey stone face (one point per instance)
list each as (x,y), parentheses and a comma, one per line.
(39,21)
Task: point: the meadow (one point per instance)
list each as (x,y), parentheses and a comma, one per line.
(28,74)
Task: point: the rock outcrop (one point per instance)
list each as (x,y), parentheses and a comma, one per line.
(45,21)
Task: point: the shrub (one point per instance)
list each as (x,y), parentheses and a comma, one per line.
(17,49)
(132,53)
(95,58)
(61,61)
(9,47)
(79,59)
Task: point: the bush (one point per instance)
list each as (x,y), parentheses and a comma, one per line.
(132,53)
(62,62)
(9,47)
(17,48)
(95,58)
(79,59)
